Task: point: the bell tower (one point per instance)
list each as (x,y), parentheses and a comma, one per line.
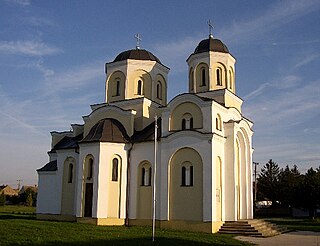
(212,71)
(136,73)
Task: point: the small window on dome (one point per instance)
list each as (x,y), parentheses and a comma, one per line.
(218,75)
(159,90)
(139,87)
(117,88)
(203,77)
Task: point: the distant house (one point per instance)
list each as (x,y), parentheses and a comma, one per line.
(25,187)
(8,191)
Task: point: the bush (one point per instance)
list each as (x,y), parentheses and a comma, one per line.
(2,199)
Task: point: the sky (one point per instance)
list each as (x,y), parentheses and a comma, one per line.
(52,57)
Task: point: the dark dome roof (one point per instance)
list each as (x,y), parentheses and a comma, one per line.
(211,44)
(107,130)
(136,54)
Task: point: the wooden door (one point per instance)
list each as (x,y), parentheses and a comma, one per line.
(88,200)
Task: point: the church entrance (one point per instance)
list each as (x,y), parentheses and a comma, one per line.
(88,200)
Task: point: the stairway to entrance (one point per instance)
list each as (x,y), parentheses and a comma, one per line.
(253,228)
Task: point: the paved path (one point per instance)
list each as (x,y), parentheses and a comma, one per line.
(297,238)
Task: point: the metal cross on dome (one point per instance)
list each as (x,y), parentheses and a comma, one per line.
(137,36)
(210,28)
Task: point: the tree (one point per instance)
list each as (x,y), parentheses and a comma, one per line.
(310,191)
(268,182)
(289,182)
(29,200)
(2,199)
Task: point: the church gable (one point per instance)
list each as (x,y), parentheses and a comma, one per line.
(125,117)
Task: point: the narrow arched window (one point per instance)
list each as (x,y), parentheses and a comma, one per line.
(118,88)
(139,88)
(143,176)
(183,176)
(218,123)
(191,123)
(70,173)
(191,74)
(231,80)
(183,124)
(90,169)
(218,75)
(187,174)
(115,165)
(203,77)
(191,176)
(159,90)
(146,175)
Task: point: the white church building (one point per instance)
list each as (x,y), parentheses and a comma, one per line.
(101,172)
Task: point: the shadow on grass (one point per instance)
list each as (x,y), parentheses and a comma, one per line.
(132,241)
(6,216)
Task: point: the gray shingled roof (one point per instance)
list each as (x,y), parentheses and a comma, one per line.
(107,130)
(49,167)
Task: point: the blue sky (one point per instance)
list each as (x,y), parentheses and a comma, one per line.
(52,56)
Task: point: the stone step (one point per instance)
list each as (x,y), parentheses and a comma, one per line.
(256,228)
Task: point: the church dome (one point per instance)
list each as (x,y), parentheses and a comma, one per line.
(211,44)
(107,130)
(136,54)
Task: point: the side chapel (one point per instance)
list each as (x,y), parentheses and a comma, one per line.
(101,172)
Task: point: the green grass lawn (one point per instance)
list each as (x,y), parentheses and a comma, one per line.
(18,226)
(297,224)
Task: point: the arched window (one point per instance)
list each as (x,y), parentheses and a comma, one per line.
(90,169)
(219,76)
(230,79)
(203,76)
(70,173)
(115,165)
(146,174)
(187,174)
(117,88)
(139,87)
(187,121)
(183,176)
(159,90)
(218,122)
(183,124)
(191,74)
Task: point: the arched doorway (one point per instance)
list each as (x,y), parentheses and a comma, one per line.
(88,185)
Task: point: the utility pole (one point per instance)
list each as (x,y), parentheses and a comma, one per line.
(154,177)
(19,183)
(255,181)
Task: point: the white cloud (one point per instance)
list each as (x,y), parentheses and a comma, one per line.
(308,59)
(40,21)
(75,78)
(176,52)
(31,48)
(281,83)
(22,3)
(281,13)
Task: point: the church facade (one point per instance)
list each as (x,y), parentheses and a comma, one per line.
(102,171)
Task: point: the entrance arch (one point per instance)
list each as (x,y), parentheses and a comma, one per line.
(88,185)
(186,185)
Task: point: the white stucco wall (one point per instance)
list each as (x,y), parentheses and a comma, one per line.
(48,200)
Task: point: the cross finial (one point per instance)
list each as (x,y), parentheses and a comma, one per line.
(137,36)
(210,28)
